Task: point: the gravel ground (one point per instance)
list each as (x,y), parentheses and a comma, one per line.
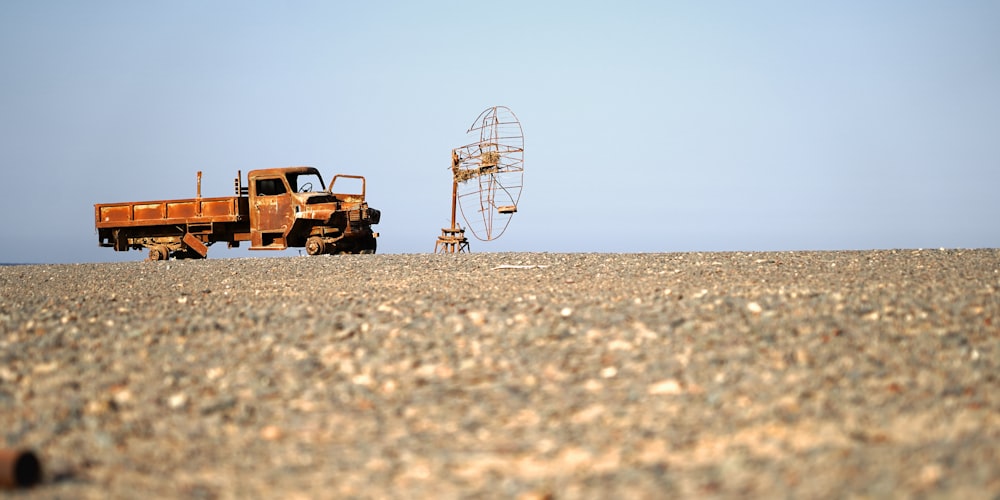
(779,374)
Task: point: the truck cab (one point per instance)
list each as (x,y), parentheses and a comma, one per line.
(291,207)
(276,195)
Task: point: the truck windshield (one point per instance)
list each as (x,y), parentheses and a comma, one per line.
(306,183)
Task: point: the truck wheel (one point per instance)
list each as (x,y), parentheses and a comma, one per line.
(159,252)
(315,246)
(370,247)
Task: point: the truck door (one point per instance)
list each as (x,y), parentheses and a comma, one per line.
(270,212)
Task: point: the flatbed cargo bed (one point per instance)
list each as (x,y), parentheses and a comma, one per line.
(185,211)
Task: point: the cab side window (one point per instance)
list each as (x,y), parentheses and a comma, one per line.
(270,187)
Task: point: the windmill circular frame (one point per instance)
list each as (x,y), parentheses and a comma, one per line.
(490,172)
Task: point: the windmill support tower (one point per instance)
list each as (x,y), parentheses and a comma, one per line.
(487,178)
(452,239)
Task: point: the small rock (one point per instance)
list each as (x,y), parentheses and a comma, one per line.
(477,318)
(46,367)
(668,387)
(619,345)
(122,397)
(271,433)
(177,400)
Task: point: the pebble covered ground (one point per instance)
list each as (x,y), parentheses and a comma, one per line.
(527,375)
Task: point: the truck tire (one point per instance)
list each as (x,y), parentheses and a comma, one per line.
(159,252)
(370,247)
(315,246)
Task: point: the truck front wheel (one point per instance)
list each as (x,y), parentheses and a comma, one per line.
(315,246)
(369,247)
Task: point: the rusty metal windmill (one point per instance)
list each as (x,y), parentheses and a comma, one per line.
(487,178)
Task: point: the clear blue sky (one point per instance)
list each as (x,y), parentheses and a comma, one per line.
(649,126)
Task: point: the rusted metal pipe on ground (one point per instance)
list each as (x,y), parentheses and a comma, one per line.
(19,469)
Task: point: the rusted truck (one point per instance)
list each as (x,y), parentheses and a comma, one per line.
(279,208)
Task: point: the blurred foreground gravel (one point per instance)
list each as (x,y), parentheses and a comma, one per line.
(781,374)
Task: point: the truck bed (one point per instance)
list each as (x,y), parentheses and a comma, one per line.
(185,211)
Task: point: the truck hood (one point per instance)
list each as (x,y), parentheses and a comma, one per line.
(313,198)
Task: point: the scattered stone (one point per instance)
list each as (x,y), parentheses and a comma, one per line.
(177,400)
(772,374)
(668,387)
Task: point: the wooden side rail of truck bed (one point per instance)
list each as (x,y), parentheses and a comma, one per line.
(167,226)
(199,211)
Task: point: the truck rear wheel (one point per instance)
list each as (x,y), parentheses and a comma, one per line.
(159,252)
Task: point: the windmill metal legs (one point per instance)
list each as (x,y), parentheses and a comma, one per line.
(452,240)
